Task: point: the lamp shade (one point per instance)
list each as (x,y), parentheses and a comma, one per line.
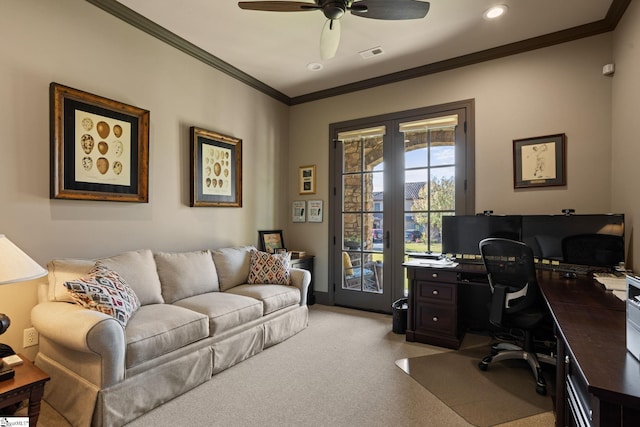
(15,265)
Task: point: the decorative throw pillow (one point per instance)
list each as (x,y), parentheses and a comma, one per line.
(269,268)
(104,290)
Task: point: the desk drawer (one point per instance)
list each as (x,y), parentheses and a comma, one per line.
(443,293)
(434,275)
(437,318)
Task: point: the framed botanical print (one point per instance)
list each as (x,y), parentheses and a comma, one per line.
(216,169)
(99,147)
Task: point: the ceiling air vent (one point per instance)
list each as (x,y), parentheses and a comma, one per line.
(370,53)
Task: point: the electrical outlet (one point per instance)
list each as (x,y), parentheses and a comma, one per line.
(30,337)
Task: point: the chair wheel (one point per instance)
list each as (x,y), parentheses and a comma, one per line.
(541,389)
(483,365)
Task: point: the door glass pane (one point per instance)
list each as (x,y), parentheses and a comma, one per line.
(362,193)
(442,192)
(429,180)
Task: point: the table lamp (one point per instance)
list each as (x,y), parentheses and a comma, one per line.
(15,266)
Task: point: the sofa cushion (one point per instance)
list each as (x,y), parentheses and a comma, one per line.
(273,297)
(232,265)
(139,270)
(64,270)
(186,274)
(225,310)
(158,329)
(104,290)
(269,268)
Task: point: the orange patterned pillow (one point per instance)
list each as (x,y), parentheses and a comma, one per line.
(270,268)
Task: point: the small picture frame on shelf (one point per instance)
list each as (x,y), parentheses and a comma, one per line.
(271,240)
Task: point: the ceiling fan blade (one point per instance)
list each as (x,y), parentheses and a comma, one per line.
(330,39)
(278,6)
(390,10)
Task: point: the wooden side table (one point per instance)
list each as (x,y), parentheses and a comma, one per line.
(28,383)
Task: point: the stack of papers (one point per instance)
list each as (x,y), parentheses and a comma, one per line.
(611,282)
(444,262)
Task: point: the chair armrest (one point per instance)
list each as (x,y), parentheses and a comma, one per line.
(301,279)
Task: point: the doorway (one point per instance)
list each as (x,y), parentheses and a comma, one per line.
(393,178)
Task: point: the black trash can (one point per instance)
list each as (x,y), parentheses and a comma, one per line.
(400,309)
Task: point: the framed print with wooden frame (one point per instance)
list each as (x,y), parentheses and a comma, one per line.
(307,179)
(99,147)
(539,161)
(271,241)
(216,169)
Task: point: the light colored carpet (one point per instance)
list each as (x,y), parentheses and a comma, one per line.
(340,371)
(505,392)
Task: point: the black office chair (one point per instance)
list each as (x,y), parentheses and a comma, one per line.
(516,302)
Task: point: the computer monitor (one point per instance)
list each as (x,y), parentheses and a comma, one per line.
(599,238)
(461,234)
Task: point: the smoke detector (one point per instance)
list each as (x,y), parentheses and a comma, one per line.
(370,53)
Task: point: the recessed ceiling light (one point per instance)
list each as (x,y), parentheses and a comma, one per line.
(314,66)
(495,12)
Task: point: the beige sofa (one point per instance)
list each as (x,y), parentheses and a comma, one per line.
(197,317)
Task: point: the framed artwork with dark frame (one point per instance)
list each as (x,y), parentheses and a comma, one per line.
(216,169)
(99,147)
(539,161)
(271,241)
(307,179)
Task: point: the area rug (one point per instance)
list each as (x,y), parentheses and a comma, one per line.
(503,393)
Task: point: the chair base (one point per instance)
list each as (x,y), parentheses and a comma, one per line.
(514,352)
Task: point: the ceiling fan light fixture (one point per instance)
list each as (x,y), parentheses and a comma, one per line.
(495,11)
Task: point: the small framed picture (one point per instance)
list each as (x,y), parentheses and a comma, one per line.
(216,169)
(314,208)
(307,179)
(271,241)
(539,161)
(99,148)
(299,211)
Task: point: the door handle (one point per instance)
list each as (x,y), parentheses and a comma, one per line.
(386,239)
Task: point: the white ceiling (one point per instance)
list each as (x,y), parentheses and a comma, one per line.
(276,47)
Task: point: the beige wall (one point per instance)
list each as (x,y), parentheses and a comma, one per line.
(559,89)
(626,139)
(74,43)
(554,90)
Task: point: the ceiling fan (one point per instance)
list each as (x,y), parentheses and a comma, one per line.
(333,10)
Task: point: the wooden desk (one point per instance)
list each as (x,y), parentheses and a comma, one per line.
(597,380)
(595,375)
(28,383)
(444,302)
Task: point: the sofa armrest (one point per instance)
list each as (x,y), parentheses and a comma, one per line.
(79,330)
(301,279)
